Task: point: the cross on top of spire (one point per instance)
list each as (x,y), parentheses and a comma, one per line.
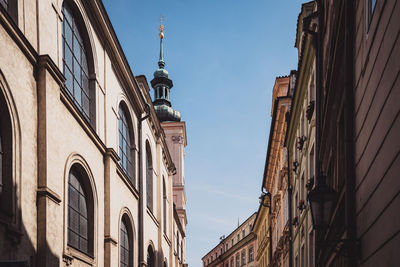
(161,28)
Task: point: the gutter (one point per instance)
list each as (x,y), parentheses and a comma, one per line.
(141,197)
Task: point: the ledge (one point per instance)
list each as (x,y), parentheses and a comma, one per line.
(44,191)
(70,254)
(110,152)
(82,121)
(150,213)
(126,180)
(166,238)
(110,239)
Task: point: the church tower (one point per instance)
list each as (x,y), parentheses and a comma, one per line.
(162,85)
(174,129)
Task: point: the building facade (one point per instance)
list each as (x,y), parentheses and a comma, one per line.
(359,124)
(86,169)
(300,143)
(275,181)
(238,249)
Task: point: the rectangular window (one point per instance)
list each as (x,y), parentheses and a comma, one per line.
(243,233)
(311,170)
(251,254)
(237,260)
(243,257)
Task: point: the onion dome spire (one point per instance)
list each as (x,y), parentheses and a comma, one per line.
(162,85)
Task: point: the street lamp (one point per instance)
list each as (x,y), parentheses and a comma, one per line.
(321,200)
(262,199)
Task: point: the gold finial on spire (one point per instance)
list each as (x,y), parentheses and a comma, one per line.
(161,28)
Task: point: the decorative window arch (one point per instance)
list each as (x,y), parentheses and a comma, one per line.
(126,242)
(164,207)
(150,256)
(77,61)
(126,142)
(149,177)
(6,162)
(80,211)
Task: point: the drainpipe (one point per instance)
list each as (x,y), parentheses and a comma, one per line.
(270,230)
(141,219)
(349,124)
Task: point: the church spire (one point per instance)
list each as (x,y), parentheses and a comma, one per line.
(161,63)
(162,85)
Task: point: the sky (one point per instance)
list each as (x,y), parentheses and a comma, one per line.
(223,57)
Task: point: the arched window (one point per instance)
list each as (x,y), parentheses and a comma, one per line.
(164,207)
(126,244)
(149,178)
(80,212)
(126,141)
(150,257)
(6,179)
(75,63)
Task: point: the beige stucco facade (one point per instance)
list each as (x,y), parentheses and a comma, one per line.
(301,146)
(238,249)
(50,136)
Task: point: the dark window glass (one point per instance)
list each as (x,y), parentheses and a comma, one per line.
(6,181)
(237,260)
(251,254)
(75,64)
(231,262)
(4,3)
(164,207)
(243,257)
(150,257)
(125,147)
(125,247)
(77,214)
(149,179)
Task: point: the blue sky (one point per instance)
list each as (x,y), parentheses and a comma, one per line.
(223,57)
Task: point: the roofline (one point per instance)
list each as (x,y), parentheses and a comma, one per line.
(271,130)
(229,234)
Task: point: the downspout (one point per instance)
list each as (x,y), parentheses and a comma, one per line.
(141,219)
(270,230)
(349,126)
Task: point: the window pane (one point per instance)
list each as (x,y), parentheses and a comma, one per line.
(83,227)
(77,71)
(68,57)
(73,239)
(68,34)
(77,93)
(68,79)
(77,49)
(74,220)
